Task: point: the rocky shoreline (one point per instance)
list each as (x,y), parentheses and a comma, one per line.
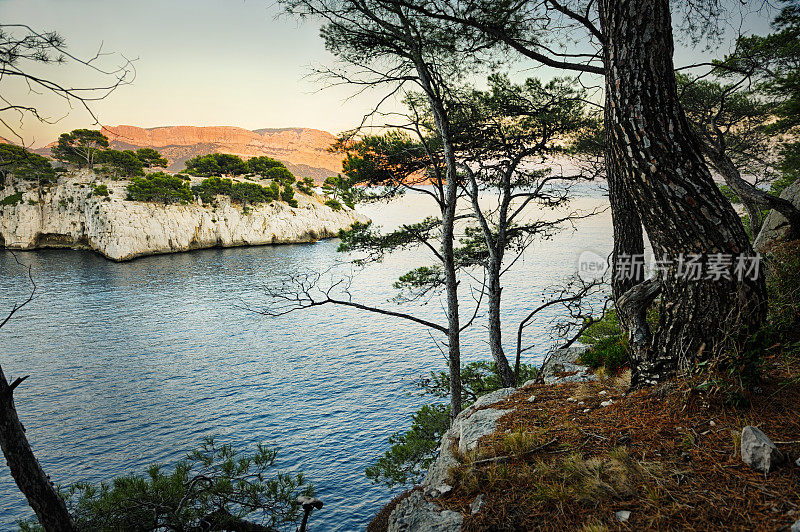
(419,511)
(68,215)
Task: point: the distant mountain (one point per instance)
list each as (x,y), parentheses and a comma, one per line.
(303,151)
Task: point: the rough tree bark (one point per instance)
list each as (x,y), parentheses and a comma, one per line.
(662,170)
(31,479)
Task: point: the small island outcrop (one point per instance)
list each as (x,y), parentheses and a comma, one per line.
(79,211)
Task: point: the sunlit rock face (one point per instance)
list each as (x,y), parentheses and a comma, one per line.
(304,151)
(68,215)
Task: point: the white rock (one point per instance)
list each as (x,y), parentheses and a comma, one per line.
(67,215)
(602,392)
(758,451)
(775,225)
(712,424)
(797,462)
(795,527)
(571,400)
(622,515)
(532,398)
(417,513)
(607,403)
(477,505)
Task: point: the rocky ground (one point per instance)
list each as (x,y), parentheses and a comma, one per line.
(588,455)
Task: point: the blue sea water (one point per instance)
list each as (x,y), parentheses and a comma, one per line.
(134,363)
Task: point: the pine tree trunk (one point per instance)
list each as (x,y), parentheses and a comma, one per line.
(25,469)
(495,332)
(662,170)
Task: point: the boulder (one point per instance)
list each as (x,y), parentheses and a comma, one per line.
(776,225)
(560,367)
(416,513)
(467,428)
(758,451)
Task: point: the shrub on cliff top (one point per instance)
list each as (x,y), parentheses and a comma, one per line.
(216,164)
(239,192)
(261,165)
(159,187)
(25,165)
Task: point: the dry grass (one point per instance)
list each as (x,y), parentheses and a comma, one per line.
(669,455)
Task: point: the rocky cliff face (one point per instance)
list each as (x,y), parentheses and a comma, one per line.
(69,215)
(304,151)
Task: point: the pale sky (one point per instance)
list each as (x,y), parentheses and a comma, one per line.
(199,62)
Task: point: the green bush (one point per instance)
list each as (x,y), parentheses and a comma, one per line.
(610,353)
(25,165)
(333,204)
(306,186)
(251,193)
(159,187)
(783,287)
(214,488)
(216,164)
(120,163)
(730,194)
(261,165)
(239,192)
(281,174)
(13,199)
(100,190)
(608,344)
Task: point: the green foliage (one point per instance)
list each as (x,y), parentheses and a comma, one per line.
(608,344)
(79,147)
(25,165)
(419,282)
(100,190)
(216,164)
(306,186)
(477,379)
(121,163)
(251,193)
(13,199)
(261,165)
(239,192)
(411,452)
(729,194)
(280,175)
(389,158)
(213,488)
(341,189)
(366,238)
(159,187)
(610,353)
(333,204)
(789,167)
(783,287)
(212,187)
(150,157)
(287,194)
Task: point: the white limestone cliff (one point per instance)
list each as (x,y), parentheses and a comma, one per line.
(68,215)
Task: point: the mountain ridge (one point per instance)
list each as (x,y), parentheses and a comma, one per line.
(303,150)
